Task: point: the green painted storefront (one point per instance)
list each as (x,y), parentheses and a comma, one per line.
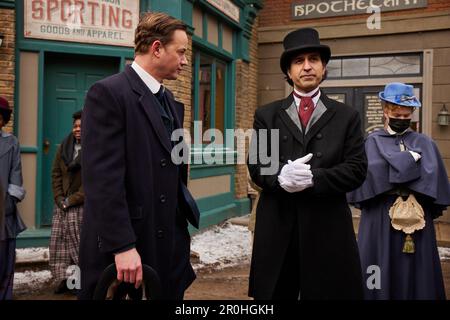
(65,70)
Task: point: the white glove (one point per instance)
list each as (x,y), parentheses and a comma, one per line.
(304,160)
(415,155)
(286,185)
(296,176)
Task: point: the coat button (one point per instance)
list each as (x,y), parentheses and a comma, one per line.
(163,162)
(160,234)
(319,154)
(282,158)
(162,198)
(319,136)
(285,138)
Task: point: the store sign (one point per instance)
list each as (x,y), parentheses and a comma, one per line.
(227,7)
(311,9)
(110,22)
(374,112)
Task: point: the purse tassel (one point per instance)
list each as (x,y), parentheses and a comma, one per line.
(408,246)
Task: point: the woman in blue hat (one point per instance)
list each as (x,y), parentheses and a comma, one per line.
(405,189)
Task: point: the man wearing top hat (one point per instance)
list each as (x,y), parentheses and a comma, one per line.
(304,244)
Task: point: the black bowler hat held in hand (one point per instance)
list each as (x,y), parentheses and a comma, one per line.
(109,288)
(302,40)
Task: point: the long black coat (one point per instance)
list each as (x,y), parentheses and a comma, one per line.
(132,188)
(328,253)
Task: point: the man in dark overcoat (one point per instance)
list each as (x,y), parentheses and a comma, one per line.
(304,245)
(136,201)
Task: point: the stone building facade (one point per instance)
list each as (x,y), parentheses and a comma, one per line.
(410,45)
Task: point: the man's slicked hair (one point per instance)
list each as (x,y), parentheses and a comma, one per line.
(155,26)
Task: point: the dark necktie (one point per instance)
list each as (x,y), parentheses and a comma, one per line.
(306,108)
(160,94)
(166,115)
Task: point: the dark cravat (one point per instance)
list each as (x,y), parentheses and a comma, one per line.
(166,115)
(306,108)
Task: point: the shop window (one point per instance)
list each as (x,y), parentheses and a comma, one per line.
(213,30)
(355,67)
(227,42)
(213,93)
(395,65)
(375,66)
(334,68)
(197,21)
(209,90)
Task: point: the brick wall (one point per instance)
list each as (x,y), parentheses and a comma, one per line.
(246,103)
(181,88)
(278,12)
(7,27)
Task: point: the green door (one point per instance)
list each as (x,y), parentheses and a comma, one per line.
(67,79)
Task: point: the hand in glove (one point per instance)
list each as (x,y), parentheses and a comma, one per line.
(415,155)
(296,176)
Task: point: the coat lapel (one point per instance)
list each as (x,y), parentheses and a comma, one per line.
(5,145)
(319,110)
(177,109)
(293,114)
(289,116)
(149,104)
(322,120)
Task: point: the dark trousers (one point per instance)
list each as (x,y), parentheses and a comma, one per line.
(181,272)
(7,260)
(288,284)
(182,275)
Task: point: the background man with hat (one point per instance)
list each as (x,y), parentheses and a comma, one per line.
(12,191)
(405,189)
(304,242)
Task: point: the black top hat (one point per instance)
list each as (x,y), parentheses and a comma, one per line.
(301,40)
(109,275)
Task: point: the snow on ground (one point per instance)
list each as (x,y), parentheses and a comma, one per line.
(29,281)
(444,253)
(218,247)
(32,255)
(222,246)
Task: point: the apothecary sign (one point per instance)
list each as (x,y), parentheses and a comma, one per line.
(311,9)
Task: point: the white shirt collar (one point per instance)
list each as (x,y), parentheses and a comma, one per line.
(148,79)
(4,134)
(309,94)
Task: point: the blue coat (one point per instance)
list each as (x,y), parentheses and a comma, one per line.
(402,275)
(132,188)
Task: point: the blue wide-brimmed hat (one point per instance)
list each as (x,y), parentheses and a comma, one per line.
(400,94)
